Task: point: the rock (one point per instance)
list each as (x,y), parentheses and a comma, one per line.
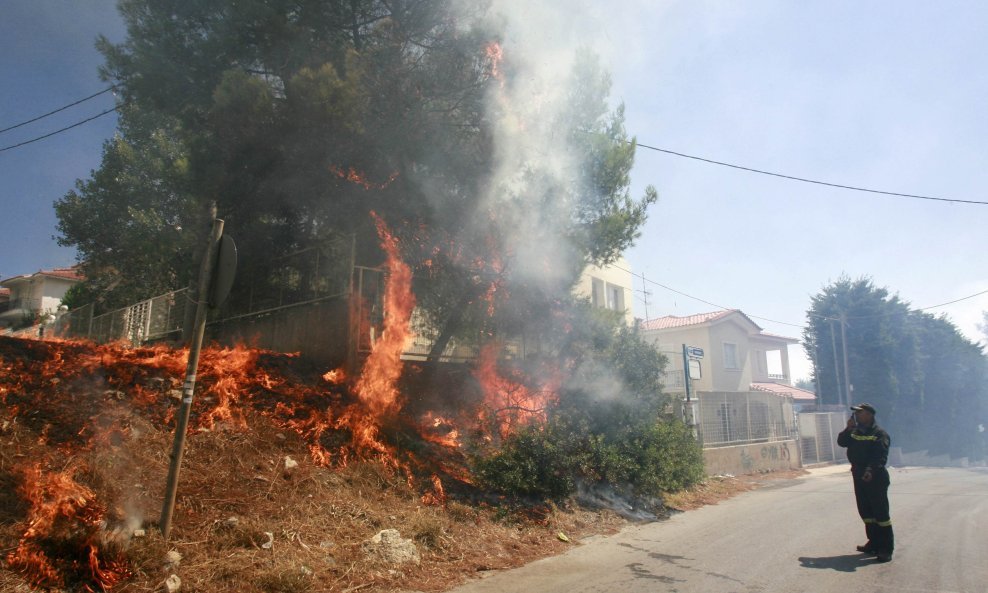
(270,543)
(172,559)
(171,585)
(391,547)
(290,463)
(139,533)
(175,394)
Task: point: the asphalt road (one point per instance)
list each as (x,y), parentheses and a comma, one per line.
(788,537)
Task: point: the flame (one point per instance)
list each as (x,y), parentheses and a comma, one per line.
(495,55)
(63,514)
(357,178)
(376,385)
(335,376)
(438,495)
(440,430)
(507,399)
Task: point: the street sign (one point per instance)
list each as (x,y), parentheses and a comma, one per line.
(224,272)
(694,352)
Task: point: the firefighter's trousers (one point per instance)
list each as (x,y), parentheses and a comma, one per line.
(873,507)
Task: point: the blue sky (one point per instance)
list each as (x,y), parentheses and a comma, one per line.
(886,95)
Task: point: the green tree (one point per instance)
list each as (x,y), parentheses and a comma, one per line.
(928,382)
(299,118)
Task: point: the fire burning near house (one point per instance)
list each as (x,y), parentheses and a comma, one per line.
(75,398)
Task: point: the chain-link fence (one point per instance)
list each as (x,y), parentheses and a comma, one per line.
(736,418)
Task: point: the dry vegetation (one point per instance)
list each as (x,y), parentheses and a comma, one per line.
(244,521)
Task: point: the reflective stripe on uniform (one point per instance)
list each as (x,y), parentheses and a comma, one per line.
(864,437)
(884,523)
(869,520)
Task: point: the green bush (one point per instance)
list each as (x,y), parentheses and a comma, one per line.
(548,461)
(607,426)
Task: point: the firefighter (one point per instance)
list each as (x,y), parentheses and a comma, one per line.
(868,450)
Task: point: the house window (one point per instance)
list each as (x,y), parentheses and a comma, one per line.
(597,292)
(775,370)
(615,298)
(731,356)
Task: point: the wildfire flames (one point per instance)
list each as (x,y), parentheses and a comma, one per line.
(63,515)
(48,388)
(357,178)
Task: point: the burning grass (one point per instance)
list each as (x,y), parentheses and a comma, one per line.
(275,493)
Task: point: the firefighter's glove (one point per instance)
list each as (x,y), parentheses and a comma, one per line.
(866,476)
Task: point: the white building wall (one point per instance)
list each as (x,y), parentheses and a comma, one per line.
(609,287)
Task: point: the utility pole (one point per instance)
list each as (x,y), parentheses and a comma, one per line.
(848,386)
(645,294)
(833,344)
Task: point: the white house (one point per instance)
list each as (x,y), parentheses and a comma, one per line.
(35,294)
(737,352)
(609,287)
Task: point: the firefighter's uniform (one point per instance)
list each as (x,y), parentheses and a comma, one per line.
(868,451)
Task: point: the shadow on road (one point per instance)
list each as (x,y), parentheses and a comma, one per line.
(845,563)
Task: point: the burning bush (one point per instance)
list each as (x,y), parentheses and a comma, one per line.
(607,427)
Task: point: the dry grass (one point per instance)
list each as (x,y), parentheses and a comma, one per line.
(243,522)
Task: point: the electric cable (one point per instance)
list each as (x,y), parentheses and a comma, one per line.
(803,179)
(63,108)
(59,131)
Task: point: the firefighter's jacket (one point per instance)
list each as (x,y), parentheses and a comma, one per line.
(867,446)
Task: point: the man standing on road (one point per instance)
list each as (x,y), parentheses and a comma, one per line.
(868,450)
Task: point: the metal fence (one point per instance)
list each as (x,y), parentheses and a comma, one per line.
(153,319)
(317,273)
(307,276)
(736,418)
(818,436)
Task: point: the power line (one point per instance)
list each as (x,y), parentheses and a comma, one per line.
(671,289)
(59,131)
(805,180)
(886,314)
(63,108)
(799,325)
(970,296)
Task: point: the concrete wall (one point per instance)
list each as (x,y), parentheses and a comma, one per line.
(753,458)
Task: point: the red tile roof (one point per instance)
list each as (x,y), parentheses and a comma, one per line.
(780,389)
(69,273)
(66,273)
(671,321)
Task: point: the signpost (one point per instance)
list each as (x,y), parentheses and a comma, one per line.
(215,280)
(691,355)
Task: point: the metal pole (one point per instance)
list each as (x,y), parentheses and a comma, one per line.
(199,328)
(847,371)
(686,372)
(833,343)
